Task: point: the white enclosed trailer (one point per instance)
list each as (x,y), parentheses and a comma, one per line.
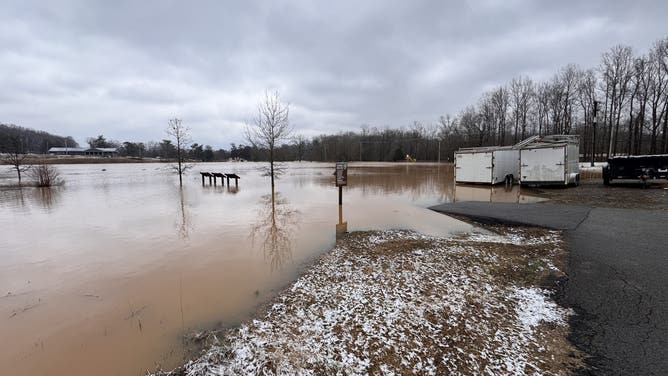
(551,160)
(487,165)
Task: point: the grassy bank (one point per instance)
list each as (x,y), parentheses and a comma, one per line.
(397,302)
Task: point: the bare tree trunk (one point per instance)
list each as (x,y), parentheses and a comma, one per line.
(630,135)
(652,142)
(17,167)
(664,137)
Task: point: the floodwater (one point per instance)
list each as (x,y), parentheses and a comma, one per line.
(496,193)
(107,274)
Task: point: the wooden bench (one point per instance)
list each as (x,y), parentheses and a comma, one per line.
(216,175)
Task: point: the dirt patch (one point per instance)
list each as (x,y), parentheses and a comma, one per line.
(397,302)
(620,195)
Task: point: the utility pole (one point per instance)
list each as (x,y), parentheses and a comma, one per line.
(593,138)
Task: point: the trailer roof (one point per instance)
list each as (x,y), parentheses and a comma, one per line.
(550,141)
(542,145)
(483,149)
(532,142)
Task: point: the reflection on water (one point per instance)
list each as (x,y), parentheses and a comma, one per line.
(183,221)
(274,231)
(433,182)
(111,270)
(47,197)
(12,199)
(27,198)
(341,226)
(495,193)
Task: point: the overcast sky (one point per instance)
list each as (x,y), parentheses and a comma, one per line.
(123,68)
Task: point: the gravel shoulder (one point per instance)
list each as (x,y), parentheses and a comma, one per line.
(398,302)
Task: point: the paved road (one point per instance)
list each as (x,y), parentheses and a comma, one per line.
(618,278)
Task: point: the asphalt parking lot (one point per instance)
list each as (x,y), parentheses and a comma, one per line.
(618,278)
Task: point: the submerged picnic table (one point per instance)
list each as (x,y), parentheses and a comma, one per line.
(216,175)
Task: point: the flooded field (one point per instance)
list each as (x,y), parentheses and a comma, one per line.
(107,273)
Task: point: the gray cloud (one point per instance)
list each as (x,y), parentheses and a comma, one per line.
(123,68)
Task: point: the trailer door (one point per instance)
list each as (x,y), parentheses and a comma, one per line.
(474,167)
(545,165)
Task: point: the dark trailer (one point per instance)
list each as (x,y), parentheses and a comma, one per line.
(636,167)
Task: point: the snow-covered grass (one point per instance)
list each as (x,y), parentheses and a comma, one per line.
(398,302)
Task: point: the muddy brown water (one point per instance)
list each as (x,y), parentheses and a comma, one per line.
(106,274)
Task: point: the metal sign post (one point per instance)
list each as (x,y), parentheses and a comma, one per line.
(341,178)
(341,174)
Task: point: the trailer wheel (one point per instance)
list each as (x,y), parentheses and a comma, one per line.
(509,180)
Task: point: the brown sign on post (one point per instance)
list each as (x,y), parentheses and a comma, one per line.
(341,174)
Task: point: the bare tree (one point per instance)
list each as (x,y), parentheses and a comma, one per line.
(542,106)
(568,78)
(522,91)
(181,135)
(616,69)
(586,94)
(300,144)
(16,157)
(658,92)
(46,175)
(486,116)
(270,128)
(471,122)
(555,104)
(500,99)
(639,87)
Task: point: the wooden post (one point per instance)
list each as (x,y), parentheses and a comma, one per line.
(202,180)
(341,227)
(340,195)
(214,180)
(209,179)
(228,180)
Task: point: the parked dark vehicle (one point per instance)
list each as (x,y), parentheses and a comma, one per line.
(636,167)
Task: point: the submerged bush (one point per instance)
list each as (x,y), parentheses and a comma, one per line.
(45,175)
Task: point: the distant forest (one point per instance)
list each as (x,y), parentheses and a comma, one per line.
(629,90)
(25,140)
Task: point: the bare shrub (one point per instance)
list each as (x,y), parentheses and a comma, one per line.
(45,175)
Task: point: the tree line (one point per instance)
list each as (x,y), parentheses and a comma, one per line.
(165,149)
(14,138)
